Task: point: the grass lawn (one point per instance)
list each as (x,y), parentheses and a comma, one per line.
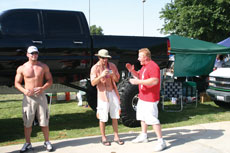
(68,120)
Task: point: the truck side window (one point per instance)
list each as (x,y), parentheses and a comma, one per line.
(60,24)
(21,24)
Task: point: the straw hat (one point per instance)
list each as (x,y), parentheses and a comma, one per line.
(103,53)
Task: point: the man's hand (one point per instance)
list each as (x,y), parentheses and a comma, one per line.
(104,73)
(28,92)
(134,81)
(129,67)
(38,90)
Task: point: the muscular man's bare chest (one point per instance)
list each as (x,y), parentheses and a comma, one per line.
(33,71)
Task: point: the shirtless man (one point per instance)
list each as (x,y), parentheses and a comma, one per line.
(104,75)
(33,73)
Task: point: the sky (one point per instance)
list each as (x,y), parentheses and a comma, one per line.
(115,17)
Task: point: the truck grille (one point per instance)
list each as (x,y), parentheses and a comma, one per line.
(220,83)
(223,79)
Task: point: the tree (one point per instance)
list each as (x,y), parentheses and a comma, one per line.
(94,30)
(207,20)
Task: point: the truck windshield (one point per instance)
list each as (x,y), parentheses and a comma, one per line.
(226,64)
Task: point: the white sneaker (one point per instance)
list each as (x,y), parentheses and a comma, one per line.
(160,146)
(48,146)
(140,139)
(26,146)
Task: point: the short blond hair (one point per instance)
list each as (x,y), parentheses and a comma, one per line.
(146,51)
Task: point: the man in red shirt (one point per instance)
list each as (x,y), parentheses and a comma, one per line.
(148,81)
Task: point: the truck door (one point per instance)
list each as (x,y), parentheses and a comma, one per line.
(67,45)
(19,29)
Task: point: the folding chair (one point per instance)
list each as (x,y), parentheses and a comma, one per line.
(190,91)
(172,90)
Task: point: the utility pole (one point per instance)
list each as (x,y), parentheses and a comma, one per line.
(143,17)
(89,13)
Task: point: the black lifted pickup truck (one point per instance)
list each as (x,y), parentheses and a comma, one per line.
(66,46)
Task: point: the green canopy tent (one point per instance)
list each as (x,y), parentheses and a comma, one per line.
(194,57)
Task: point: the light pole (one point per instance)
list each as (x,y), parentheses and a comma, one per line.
(89,13)
(143,18)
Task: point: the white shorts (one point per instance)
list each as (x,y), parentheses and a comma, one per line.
(112,107)
(147,112)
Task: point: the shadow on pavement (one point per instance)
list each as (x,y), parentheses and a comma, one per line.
(173,138)
(182,136)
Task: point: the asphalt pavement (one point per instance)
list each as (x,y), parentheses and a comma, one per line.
(202,138)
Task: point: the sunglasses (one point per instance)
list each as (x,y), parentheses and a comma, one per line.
(36,53)
(103,57)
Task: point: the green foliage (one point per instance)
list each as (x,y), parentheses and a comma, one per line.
(94,30)
(201,19)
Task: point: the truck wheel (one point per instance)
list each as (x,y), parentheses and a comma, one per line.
(91,96)
(222,104)
(128,96)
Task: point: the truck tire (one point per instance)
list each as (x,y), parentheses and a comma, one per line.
(222,104)
(128,96)
(91,96)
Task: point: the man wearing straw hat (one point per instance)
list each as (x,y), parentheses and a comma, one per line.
(104,75)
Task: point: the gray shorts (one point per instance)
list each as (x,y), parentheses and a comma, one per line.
(35,105)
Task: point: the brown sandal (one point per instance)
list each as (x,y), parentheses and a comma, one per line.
(106,143)
(120,142)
